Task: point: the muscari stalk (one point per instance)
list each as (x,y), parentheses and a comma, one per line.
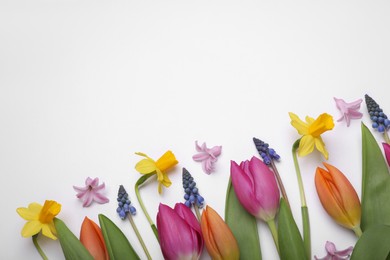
(304,209)
(137,186)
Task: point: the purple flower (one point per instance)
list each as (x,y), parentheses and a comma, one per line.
(333,254)
(208,156)
(256,188)
(386,148)
(91,192)
(179,232)
(348,110)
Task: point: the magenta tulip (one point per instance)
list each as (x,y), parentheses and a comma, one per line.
(179,232)
(256,188)
(386,147)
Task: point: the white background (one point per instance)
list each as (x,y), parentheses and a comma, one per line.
(85,84)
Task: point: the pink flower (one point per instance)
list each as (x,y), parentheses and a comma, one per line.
(333,254)
(207,156)
(386,148)
(256,188)
(179,232)
(348,110)
(91,192)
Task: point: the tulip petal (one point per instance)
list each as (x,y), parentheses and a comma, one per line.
(92,238)
(386,148)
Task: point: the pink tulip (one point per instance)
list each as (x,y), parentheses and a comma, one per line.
(386,147)
(256,188)
(179,232)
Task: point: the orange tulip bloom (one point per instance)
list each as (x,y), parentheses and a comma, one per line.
(338,197)
(218,238)
(92,238)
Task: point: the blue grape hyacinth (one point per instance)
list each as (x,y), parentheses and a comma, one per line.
(124,203)
(265,151)
(191,196)
(379,119)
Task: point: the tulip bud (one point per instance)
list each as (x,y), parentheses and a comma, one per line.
(338,197)
(179,232)
(92,238)
(219,239)
(256,188)
(386,148)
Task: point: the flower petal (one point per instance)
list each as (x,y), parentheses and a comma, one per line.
(306,145)
(320,145)
(31,228)
(200,156)
(47,232)
(298,124)
(30,213)
(146,166)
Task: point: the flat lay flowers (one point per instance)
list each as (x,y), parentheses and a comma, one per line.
(255,194)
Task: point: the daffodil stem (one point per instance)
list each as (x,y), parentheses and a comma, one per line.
(304,209)
(274,232)
(280,182)
(358,231)
(139,236)
(386,136)
(197,212)
(39,249)
(141,203)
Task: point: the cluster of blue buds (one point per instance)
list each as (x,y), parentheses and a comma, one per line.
(124,203)
(265,151)
(191,195)
(379,119)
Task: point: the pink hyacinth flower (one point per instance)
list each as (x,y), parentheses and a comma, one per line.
(256,188)
(91,192)
(208,156)
(333,254)
(179,232)
(348,110)
(386,148)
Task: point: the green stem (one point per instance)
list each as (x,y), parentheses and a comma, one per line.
(386,136)
(39,249)
(139,236)
(137,185)
(197,212)
(298,172)
(358,231)
(274,232)
(304,209)
(280,182)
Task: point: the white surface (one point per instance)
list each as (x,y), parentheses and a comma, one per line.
(85,84)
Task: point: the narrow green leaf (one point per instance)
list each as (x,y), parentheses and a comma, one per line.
(373,244)
(118,246)
(375,183)
(70,244)
(290,240)
(243,226)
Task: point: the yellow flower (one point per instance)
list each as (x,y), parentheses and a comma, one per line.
(148,165)
(40,218)
(311,131)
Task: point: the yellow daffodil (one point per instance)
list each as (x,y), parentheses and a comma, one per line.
(40,218)
(311,131)
(165,162)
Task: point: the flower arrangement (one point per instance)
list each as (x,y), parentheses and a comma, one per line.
(255,193)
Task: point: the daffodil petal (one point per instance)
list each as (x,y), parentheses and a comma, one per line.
(306,145)
(298,124)
(30,213)
(309,120)
(146,166)
(31,228)
(47,232)
(320,145)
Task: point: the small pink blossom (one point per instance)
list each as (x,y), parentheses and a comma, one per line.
(91,192)
(333,254)
(348,110)
(208,156)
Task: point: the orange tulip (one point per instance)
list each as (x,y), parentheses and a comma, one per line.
(219,239)
(92,238)
(338,197)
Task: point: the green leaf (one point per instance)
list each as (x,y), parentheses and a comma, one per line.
(290,241)
(70,244)
(243,226)
(373,244)
(118,246)
(375,183)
